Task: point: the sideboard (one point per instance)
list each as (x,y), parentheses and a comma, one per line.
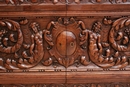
(64,43)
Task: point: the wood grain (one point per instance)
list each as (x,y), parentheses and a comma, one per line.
(64,43)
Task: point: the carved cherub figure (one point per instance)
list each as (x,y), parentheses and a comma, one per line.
(95,47)
(36,36)
(95,36)
(36,41)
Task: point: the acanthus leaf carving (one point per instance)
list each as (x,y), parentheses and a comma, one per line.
(14,26)
(118,24)
(96,47)
(65,42)
(21,61)
(5,38)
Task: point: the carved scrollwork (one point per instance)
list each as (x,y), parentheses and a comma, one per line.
(8,27)
(12,45)
(35,49)
(95,48)
(13,26)
(7,36)
(117,25)
(62,42)
(100,53)
(119,38)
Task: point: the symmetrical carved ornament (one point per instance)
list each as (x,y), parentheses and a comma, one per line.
(62,40)
(65,42)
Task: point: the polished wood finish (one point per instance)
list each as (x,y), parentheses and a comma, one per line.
(64,43)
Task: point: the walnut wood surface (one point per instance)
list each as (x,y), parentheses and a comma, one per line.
(64,43)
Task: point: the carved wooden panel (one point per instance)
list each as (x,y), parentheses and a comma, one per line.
(64,43)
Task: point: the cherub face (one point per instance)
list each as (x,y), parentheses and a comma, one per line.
(97,27)
(97,30)
(34,27)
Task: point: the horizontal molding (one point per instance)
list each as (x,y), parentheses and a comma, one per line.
(68,7)
(62,77)
(98,77)
(62,13)
(58,7)
(32,78)
(99,7)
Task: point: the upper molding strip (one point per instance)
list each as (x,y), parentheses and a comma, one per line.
(30,2)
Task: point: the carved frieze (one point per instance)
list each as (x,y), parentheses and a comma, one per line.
(64,42)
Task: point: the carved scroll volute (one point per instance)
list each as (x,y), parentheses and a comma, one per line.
(14,26)
(117,25)
(96,48)
(6,37)
(12,45)
(119,39)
